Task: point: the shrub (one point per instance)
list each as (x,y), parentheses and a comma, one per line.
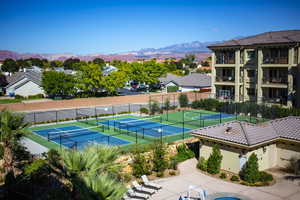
(160,174)
(202,164)
(223,176)
(173,163)
(140,166)
(34,167)
(154,107)
(265,177)
(250,171)
(172,173)
(172,88)
(160,162)
(19,97)
(214,161)
(167,105)
(144,110)
(37,96)
(183,100)
(234,178)
(184,153)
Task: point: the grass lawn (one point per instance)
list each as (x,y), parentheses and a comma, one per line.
(5,101)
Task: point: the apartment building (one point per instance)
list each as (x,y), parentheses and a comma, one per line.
(263,68)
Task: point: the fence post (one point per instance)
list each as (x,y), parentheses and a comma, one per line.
(136,138)
(183,124)
(129,110)
(34,117)
(113,110)
(220,117)
(56,113)
(143,133)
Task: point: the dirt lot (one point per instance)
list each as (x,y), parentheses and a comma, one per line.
(90,102)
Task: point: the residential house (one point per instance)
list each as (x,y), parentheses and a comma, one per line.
(192,82)
(263,68)
(275,143)
(24,83)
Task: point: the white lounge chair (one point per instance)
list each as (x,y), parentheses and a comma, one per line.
(133,194)
(150,184)
(126,197)
(142,189)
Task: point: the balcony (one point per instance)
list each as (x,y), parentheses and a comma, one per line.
(225,79)
(269,60)
(275,100)
(225,57)
(276,80)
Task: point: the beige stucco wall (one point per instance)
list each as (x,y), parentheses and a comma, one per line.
(269,156)
(286,152)
(230,161)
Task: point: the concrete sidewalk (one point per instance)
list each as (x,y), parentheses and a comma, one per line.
(33,147)
(174,187)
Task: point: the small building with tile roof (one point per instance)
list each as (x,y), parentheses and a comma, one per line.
(275,142)
(192,82)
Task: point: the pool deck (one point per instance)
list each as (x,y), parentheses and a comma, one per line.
(175,186)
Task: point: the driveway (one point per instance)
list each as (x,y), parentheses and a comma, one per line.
(175,186)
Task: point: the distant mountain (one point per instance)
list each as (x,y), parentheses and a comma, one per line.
(176,51)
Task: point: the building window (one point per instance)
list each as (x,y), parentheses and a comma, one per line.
(251,73)
(225,57)
(275,56)
(296,55)
(251,91)
(251,55)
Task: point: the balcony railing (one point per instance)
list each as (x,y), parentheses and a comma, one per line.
(225,61)
(268,60)
(225,78)
(277,80)
(282,100)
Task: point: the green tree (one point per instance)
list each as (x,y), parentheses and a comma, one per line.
(167,104)
(115,80)
(154,107)
(12,128)
(183,100)
(99,61)
(56,64)
(189,60)
(70,63)
(93,172)
(160,163)
(214,161)
(140,165)
(90,78)
(10,65)
(58,84)
(250,172)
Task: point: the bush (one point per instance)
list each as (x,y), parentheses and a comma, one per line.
(160,174)
(265,177)
(167,105)
(37,96)
(214,161)
(183,100)
(184,153)
(234,178)
(154,107)
(202,164)
(172,88)
(172,173)
(140,166)
(34,167)
(223,176)
(19,97)
(250,171)
(159,157)
(144,110)
(173,163)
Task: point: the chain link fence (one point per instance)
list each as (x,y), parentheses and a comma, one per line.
(52,116)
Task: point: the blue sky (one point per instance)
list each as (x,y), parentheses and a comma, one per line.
(109,26)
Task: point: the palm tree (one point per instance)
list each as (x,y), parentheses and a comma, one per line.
(12,128)
(93,172)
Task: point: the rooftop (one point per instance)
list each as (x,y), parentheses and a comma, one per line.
(275,37)
(192,80)
(248,134)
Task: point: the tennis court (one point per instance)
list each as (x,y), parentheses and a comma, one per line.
(148,127)
(78,137)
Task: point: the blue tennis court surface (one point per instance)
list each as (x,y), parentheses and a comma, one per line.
(216,116)
(71,135)
(145,127)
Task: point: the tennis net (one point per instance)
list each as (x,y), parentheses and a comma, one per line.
(72,133)
(137,122)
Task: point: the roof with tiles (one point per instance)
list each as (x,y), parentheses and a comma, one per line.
(192,80)
(35,77)
(252,134)
(275,37)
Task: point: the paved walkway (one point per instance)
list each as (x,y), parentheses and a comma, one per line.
(175,186)
(33,147)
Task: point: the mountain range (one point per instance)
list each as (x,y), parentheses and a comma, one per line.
(176,51)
